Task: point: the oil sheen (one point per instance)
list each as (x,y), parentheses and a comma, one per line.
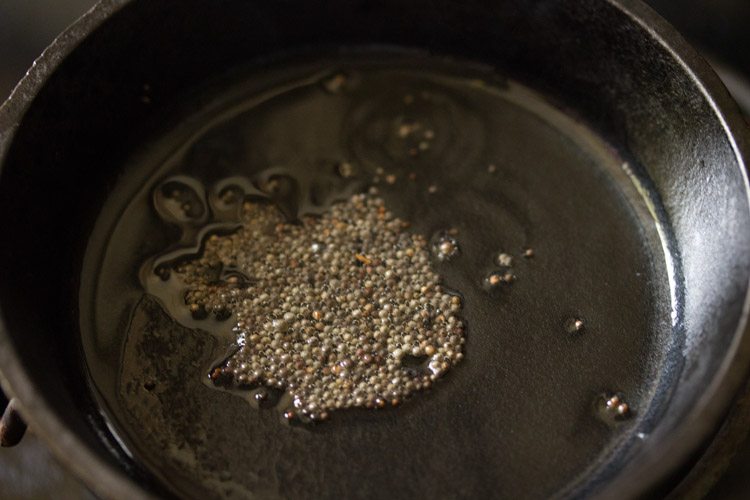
(383,275)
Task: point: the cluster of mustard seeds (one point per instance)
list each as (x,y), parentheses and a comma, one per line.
(340,311)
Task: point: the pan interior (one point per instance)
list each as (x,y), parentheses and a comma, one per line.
(522,413)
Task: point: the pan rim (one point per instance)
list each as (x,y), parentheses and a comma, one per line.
(104,479)
(695,429)
(699,426)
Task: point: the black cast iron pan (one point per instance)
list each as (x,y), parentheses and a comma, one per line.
(614,65)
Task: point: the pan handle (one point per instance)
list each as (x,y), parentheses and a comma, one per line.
(12,426)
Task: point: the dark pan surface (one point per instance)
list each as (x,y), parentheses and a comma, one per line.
(520,415)
(655,104)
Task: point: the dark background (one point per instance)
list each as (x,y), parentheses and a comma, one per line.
(719,28)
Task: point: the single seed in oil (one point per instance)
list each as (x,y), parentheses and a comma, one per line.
(574,325)
(445,247)
(336,83)
(494,279)
(345,170)
(407,128)
(505,260)
(229,196)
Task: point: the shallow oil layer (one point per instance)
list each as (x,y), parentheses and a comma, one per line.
(526,412)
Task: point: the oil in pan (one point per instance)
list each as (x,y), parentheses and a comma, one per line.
(437,277)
